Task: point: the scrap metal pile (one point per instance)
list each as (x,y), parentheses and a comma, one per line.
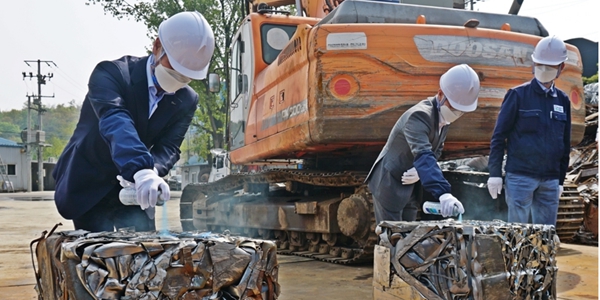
(583,169)
(145,265)
(469,260)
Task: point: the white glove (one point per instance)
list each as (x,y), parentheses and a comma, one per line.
(494,185)
(124,183)
(448,202)
(411,176)
(561,189)
(147,184)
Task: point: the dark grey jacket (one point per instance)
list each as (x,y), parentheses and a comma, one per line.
(415,140)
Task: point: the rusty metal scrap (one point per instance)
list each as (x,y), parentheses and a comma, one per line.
(136,265)
(471,260)
(583,171)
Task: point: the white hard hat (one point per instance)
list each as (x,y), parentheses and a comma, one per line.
(460,85)
(550,51)
(189,43)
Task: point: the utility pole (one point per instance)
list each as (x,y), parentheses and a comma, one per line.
(40,135)
(28,144)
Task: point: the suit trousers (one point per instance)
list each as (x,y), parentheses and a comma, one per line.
(110,214)
(399,209)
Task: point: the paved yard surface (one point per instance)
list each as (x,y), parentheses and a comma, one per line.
(24,219)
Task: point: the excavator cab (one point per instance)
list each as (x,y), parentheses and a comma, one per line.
(256,46)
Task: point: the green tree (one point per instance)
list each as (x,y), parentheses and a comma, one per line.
(16,117)
(58,123)
(57,145)
(12,123)
(591,79)
(224,16)
(10,131)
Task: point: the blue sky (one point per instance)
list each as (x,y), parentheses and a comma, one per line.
(76,37)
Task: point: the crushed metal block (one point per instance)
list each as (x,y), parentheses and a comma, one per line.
(145,265)
(478,260)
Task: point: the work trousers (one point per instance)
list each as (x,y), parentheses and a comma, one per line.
(529,195)
(110,214)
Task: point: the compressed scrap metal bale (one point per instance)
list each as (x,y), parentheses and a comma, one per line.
(146,265)
(469,260)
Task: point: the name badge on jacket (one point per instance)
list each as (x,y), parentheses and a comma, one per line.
(558,108)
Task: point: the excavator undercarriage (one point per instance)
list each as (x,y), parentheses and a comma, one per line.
(326,216)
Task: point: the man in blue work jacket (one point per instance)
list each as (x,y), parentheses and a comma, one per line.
(534,128)
(414,145)
(132,122)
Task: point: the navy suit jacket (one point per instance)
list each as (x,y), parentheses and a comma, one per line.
(115,137)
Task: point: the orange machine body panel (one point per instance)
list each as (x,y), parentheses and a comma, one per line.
(336,90)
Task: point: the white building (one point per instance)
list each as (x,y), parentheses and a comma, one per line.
(13,166)
(195,170)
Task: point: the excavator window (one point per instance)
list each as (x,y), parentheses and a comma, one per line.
(236,65)
(218,162)
(274,38)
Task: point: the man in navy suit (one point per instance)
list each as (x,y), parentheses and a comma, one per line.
(132,123)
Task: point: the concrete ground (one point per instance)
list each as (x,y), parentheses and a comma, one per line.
(23,216)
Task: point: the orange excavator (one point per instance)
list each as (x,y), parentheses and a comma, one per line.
(323,87)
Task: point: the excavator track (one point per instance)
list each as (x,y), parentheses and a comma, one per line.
(239,180)
(305,244)
(356,246)
(571,212)
(343,255)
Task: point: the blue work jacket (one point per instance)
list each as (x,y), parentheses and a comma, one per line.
(534,128)
(114,135)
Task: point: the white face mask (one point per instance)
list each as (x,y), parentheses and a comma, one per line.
(545,74)
(449,115)
(169,80)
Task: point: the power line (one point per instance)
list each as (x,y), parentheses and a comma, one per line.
(27,86)
(69,78)
(58,86)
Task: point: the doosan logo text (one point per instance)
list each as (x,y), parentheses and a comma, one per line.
(441,48)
